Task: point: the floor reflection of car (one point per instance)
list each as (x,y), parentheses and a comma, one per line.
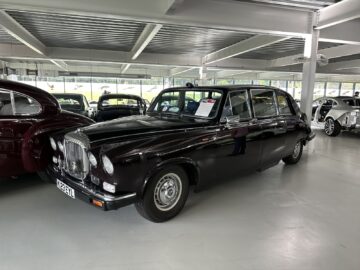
(189,136)
(336,113)
(114,106)
(27,116)
(76,103)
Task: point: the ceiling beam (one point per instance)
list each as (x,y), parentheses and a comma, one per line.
(230,73)
(340,12)
(230,15)
(334,52)
(179,70)
(16,30)
(247,45)
(345,33)
(149,32)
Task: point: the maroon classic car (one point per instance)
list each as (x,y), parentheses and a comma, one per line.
(27,116)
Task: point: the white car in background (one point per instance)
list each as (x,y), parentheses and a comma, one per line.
(335,114)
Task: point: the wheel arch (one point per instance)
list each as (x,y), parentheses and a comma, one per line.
(188,165)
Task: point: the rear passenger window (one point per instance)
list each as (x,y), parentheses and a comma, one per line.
(6,107)
(237,105)
(25,105)
(263,101)
(283,104)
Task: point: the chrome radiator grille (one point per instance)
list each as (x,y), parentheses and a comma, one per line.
(76,159)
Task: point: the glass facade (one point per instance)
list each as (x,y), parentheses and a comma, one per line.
(93,88)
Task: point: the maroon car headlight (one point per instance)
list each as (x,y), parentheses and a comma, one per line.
(53,143)
(61,146)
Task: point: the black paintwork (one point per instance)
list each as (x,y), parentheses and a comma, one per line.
(208,149)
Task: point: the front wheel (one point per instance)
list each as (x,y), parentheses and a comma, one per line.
(296,155)
(165,195)
(332,128)
(45,176)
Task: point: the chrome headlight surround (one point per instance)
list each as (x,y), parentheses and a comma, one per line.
(92,159)
(53,143)
(107,165)
(61,146)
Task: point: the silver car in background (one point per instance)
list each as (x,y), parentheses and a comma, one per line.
(334,114)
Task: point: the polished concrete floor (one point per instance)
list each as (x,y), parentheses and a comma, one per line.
(297,217)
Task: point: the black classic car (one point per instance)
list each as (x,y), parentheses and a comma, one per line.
(76,103)
(189,136)
(112,106)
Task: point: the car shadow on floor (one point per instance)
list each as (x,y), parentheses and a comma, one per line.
(19,184)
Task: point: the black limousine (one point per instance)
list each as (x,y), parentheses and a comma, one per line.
(187,136)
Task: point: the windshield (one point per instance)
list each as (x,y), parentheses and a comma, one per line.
(128,102)
(70,102)
(193,103)
(353,102)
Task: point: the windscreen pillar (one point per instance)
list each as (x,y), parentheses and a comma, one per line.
(309,72)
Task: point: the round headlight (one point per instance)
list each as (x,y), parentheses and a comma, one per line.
(53,143)
(61,146)
(92,160)
(108,166)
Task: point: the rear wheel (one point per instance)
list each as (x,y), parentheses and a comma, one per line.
(332,128)
(296,155)
(165,195)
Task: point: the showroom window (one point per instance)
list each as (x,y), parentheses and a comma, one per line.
(319,90)
(332,89)
(224,82)
(279,84)
(347,89)
(263,102)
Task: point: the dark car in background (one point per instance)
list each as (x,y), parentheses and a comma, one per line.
(27,116)
(189,136)
(112,106)
(76,103)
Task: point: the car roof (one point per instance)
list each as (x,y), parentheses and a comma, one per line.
(109,96)
(227,88)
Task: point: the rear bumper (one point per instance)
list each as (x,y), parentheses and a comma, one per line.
(99,200)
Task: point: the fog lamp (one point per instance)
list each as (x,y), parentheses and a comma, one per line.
(109,187)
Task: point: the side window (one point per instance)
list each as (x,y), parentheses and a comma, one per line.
(239,104)
(283,104)
(25,105)
(6,107)
(263,101)
(169,102)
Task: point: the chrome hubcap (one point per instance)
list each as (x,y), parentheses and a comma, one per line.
(167,191)
(297,149)
(329,126)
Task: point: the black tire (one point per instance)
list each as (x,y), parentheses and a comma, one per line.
(332,127)
(45,176)
(150,204)
(296,155)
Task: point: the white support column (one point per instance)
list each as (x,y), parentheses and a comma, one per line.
(202,75)
(309,73)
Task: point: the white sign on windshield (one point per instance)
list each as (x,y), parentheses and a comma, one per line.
(205,107)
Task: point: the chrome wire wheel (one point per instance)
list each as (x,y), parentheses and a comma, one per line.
(167,192)
(329,126)
(297,150)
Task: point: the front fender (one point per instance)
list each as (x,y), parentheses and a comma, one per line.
(184,162)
